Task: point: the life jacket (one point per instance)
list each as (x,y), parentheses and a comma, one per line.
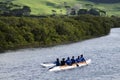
(78,60)
(73,61)
(68,62)
(82,59)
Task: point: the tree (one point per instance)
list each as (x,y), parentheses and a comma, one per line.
(26,10)
(7,8)
(16,12)
(102,13)
(73,12)
(82,11)
(94,12)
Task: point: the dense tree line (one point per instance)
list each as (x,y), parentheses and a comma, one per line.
(20,32)
(116,21)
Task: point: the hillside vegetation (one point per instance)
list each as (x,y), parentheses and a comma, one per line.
(20,32)
(45,7)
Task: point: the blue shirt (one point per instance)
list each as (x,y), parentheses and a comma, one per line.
(73,61)
(78,60)
(82,59)
(68,62)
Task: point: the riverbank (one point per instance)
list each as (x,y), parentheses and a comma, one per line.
(36,45)
(27,32)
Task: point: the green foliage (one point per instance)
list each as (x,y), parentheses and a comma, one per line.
(20,32)
(7,8)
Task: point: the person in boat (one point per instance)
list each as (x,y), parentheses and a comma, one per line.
(78,59)
(57,62)
(82,58)
(63,62)
(68,61)
(73,60)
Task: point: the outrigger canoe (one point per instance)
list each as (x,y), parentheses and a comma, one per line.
(47,64)
(66,67)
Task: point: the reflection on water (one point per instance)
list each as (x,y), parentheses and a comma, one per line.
(104,52)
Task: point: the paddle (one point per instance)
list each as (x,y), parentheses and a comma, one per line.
(77,65)
(82,62)
(51,67)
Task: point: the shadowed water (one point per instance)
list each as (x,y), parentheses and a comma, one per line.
(104,52)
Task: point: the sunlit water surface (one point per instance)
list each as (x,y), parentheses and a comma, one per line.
(104,52)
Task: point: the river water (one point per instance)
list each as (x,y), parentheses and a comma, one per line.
(104,52)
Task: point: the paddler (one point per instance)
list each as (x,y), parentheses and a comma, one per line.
(68,61)
(82,58)
(63,62)
(78,59)
(57,62)
(73,60)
